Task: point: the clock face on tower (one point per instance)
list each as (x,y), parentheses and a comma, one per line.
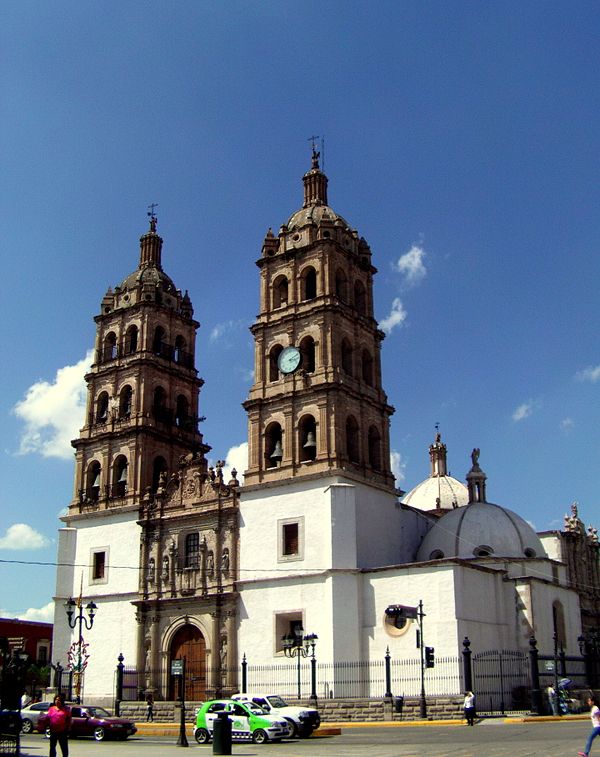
(289,359)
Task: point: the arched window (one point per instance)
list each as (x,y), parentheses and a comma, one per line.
(159,404)
(131,340)
(309,283)
(102,408)
(119,482)
(273,445)
(558,622)
(352,449)
(273,358)
(110,346)
(341,285)
(280,292)
(92,489)
(182,412)
(307,348)
(125,402)
(179,353)
(360,299)
(307,438)
(367,368)
(158,343)
(159,473)
(347,357)
(374,441)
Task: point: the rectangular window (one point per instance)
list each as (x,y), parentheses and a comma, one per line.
(286,623)
(192,550)
(291,539)
(99,566)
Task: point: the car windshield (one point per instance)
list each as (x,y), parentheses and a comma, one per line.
(277,702)
(255,708)
(98,712)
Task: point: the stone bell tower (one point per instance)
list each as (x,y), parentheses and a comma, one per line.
(142,388)
(317,404)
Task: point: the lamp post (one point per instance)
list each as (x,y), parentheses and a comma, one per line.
(80,621)
(297,645)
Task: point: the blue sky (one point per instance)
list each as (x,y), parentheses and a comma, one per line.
(460,140)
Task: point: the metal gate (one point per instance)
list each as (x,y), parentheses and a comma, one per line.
(501,682)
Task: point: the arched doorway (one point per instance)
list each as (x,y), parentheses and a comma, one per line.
(189,643)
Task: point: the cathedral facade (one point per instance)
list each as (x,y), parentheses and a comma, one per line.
(185,562)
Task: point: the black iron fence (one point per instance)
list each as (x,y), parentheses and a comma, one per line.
(503,680)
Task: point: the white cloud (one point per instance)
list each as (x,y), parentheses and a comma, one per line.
(221,329)
(398,467)
(523,411)
(237,457)
(43,614)
(411,266)
(53,412)
(22,536)
(396,317)
(589,374)
(567,424)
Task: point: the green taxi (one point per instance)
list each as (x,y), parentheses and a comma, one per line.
(249,722)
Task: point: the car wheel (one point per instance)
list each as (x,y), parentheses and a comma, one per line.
(260,736)
(26,726)
(305,733)
(99,734)
(202,736)
(294,727)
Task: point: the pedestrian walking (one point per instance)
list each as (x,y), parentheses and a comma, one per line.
(59,716)
(149,709)
(595,716)
(469,707)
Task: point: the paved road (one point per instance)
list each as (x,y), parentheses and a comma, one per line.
(491,738)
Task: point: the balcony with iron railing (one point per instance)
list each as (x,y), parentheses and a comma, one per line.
(163,350)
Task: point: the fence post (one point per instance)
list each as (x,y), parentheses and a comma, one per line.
(119,691)
(244,674)
(58,671)
(388,674)
(467,669)
(536,694)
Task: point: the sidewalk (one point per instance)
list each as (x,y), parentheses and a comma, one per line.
(334,729)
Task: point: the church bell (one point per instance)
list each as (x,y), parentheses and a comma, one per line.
(310,440)
(278,451)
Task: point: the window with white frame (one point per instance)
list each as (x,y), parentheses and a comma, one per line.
(290,539)
(99,566)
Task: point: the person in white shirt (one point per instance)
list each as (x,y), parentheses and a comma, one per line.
(595,716)
(469,707)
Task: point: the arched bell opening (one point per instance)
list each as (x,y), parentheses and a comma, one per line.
(307,438)
(273,445)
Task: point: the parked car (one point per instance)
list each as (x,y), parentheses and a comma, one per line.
(31,714)
(304,720)
(93,721)
(249,722)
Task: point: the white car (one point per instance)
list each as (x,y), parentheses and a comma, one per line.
(304,720)
(31,714)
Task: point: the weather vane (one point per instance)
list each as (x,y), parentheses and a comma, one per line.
(316,154)
(152,215)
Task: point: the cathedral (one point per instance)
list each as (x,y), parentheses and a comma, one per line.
(185,562)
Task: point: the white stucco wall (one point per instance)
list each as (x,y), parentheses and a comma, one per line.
(115,629)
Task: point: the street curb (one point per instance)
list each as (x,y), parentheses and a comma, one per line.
(172,729)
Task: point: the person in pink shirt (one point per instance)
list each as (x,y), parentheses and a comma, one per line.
(595,716)
(59,716)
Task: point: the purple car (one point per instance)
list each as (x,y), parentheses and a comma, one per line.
(93,721)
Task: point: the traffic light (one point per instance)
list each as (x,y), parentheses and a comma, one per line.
(429,657)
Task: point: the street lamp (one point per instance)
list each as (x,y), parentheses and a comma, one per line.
(297,645)
(80,620)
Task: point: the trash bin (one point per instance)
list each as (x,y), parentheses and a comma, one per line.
(398,705)
(222,734)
